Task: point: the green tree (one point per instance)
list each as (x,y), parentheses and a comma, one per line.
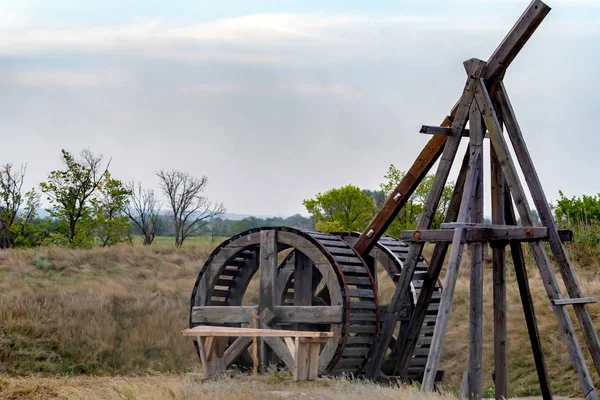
(109,223)
(11,199)
(344,209)
(577,209)
(70,190)
(408,217)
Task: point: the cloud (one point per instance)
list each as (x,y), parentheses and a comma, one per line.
(271,89)
(64,77)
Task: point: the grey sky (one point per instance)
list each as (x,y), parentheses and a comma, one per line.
(275,105)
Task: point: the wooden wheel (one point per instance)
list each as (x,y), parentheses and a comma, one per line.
(391,253)
(307,280)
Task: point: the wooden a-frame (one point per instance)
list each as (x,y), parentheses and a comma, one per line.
(486,105)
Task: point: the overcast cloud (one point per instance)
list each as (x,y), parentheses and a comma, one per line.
(275,105)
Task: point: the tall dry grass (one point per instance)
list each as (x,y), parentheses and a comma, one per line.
(119,311)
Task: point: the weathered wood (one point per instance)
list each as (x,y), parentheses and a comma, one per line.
(236,349)
(476,284)
(307,359)
(302,280)
(499,282)
(429,208)
(255,361)
(520,33)
(222,314)
(441,322)
(464,386)
(309,314)
(581,300)
(445,131)
(267,293)
(514,185)
(226,331)
(405,349)
(541,203)
(527,303)
(477,234)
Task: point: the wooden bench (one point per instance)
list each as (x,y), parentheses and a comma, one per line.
(304,346)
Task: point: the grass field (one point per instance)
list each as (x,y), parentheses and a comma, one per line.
(118,311)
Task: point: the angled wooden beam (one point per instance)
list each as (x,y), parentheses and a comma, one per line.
(527,303)
(441,322)
(500,60)
(514,185)
(429,208)
(445,131)
(404,349)
(541,203)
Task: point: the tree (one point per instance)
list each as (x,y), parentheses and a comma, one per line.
(28,230)
(11,198)
(577,209)
(109,224)
(345,209)
(408,217)
(143,211)
(190,211)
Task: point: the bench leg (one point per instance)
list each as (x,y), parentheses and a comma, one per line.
(212,350)
(307,358)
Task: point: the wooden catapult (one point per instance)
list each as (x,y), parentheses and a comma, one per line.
(312,281)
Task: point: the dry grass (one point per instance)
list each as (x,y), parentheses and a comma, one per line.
(118,311)
(178,387)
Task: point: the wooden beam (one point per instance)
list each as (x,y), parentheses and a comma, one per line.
(476,249)
(581,300)
(477,235)
(308,314)
(512,44)
(222,314)
(303,276)
(404,349)
(236,349)
(226,331)
(429,208)
(541,203)
(514,185)
(527,303)
(499,282)
(445,131)
(441,322)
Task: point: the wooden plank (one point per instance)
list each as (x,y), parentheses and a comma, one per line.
(546,217)
(443,316)
(291,345)
(445,131)
(313,360)
(203,330)
(477,235)
(222,314)
(302,361)
(405,349)
(267,293)
(520,33)
(499,282)
(476,249)
(309,314)
(429,208)
(581,300)
(236,349)
(527,303)
(514,185)
(464,386)
(302,280)
(255,361)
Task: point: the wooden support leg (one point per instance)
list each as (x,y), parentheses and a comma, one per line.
(526,301)
(514,184)
(476,289)
(541,203)
(307,358)
(499,280)
(405,350)
(389,323)
(443,316)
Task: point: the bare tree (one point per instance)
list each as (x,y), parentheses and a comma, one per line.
(11,198)
(143,210)
(190,211)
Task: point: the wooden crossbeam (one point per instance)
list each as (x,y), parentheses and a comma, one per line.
(581,300)
(223,331)
(282,314)
(445,131)
(477,234)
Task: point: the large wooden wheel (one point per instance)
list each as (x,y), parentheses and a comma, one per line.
(390,253)
(307,280)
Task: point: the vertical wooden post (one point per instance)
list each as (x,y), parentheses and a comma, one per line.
(476,292)
(499,280)
(303,270)
(526,301)
(254,345)
(443,316)
(268,276)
